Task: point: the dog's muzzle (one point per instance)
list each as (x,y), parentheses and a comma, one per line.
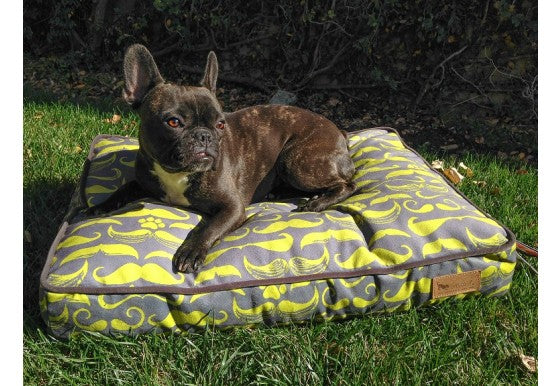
(204,143)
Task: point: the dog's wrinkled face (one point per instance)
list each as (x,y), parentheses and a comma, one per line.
(181,125)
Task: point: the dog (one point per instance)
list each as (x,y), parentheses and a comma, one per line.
(193,155)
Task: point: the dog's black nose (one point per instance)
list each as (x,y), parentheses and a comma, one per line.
(203,136)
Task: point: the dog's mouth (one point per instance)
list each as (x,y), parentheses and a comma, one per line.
(202,155)
(199,161)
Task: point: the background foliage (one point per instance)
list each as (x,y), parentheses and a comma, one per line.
(472,57)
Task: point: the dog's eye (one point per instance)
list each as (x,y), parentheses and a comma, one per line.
(173,122)
(220,125)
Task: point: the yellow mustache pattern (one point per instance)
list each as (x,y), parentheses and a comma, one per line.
(116,148)
(363,257)
(74,241)
(98,325)
(69,280)
(283,225)
(106,249)
(178,214)
(360,302)
(102,163)
(410,204)
(197,318)
(133,313)
(281,244)
(95,222)
(141,235)
(279,267)
(285,309)
(423,285)
(427,227)
(222,271)
(131,272)
(437,246)
(492,241)
(101,189)
(115,176)
(339,235)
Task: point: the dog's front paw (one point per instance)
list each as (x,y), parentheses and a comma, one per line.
(189,257)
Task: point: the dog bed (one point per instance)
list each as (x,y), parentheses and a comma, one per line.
(405,238)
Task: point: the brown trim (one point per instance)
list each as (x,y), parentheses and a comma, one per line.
(251,283)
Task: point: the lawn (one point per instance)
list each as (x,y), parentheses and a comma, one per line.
(473,341)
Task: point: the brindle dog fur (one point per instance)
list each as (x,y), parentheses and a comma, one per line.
(194,155)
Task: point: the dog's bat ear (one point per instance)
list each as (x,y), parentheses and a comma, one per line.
(210,73)
(140,74)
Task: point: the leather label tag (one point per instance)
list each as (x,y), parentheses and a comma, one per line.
(454,284)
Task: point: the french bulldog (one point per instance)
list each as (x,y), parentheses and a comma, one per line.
(193,155)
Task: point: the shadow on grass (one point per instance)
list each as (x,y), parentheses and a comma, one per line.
(106,104)
(44,206)
(45,202)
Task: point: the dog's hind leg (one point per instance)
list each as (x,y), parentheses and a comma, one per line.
(331,196)
(326,174)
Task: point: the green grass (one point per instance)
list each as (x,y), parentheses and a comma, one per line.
(472,342)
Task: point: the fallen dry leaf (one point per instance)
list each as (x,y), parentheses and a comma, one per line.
(480,184)
(27,236)
(530,363)
(437,164)
(453,175)
(468,171)
(77,149)
(521,171)
(116,118)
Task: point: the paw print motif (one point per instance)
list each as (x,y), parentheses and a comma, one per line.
(273,291)
(151,223)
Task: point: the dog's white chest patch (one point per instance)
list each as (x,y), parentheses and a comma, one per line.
(173,184)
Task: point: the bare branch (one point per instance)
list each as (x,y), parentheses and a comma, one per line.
(471,83)
(529,91)
(324,69)
(210,46)
(230,78)
(427,86)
